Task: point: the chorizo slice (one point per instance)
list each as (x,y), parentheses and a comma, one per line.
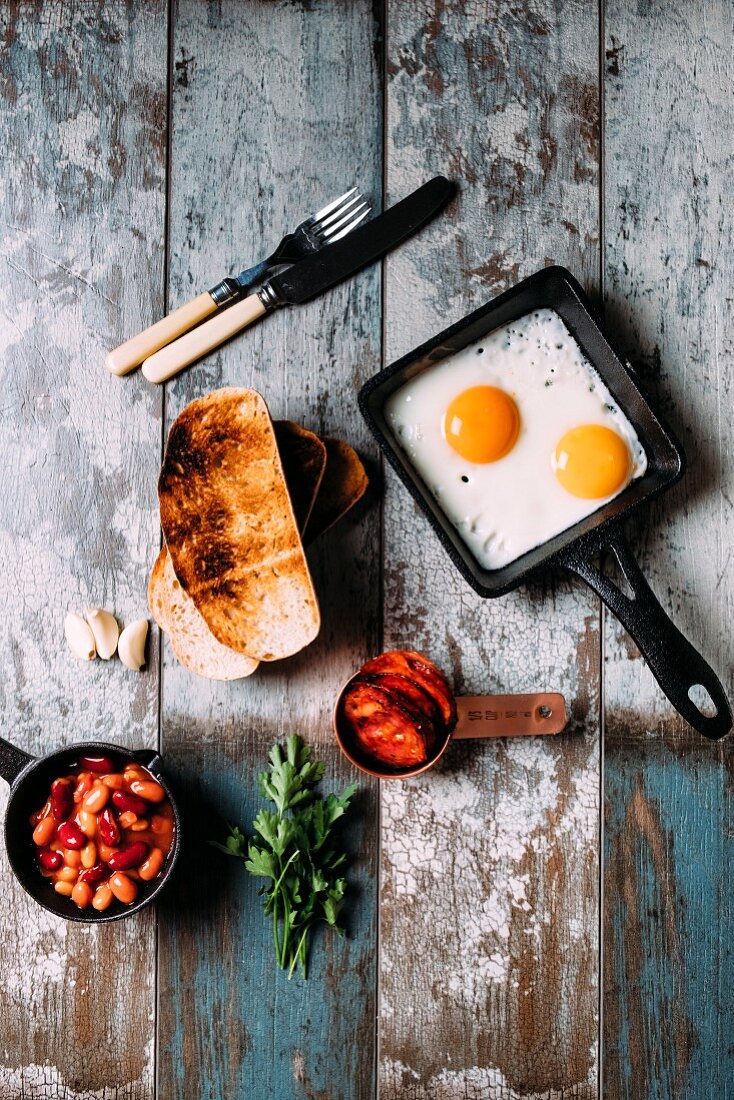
(418,702)
(382,727)
(418,668)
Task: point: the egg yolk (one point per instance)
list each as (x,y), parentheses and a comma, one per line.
(592,462)
(481,424)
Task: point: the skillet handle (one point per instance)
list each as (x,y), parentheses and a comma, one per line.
(12,761)
(673,661)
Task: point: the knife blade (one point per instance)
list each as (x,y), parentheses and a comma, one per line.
(371,241)
(308,278)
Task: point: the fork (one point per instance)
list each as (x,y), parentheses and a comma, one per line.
(327,225)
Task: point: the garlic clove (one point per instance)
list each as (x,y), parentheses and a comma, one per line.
(131,644)
(79,637)
(105,630)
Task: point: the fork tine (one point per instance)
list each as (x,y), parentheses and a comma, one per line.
(352,225)
(322,224)
(339,225)
(332,205)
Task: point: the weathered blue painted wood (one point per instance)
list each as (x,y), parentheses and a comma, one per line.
(276,108)
(669,919)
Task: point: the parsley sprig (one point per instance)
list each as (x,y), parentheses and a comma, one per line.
(296,849)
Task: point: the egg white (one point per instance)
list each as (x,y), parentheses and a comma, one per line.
(503,509)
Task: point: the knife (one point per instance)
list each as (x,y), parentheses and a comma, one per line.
(307,279)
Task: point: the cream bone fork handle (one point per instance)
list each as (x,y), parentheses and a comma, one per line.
(307,279)
(331,223)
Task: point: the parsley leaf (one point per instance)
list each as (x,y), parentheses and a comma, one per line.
(296,848)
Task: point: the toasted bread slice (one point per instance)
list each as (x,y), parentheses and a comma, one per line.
(192,641)
(230,527)
(344,482)
(303,456)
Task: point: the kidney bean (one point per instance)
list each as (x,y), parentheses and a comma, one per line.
(148,789)
(97,798)
(62,799)
(82,894)
(87,823)
(44,831)
(67,874)
(50,861)
(152,865)
(123,800)
(95,874)
(109,830)
(115,781)
(97,764)
(64,888)
(70,835)
(132,856)
(72,858)
(123,888)
(102,898)
(88,855)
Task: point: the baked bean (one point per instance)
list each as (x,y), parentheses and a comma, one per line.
(96,764)
(97,798)
(64,888)
(148,789)
(82,894)
(104,851)
(134,771)
(127,819)
(87,823)
(123,887)
(67,874)
(44,831)
(115,781)
(89,855)
(70,835)
(152,865)
(72,858)
(84,784)
(102,898)
(140,825)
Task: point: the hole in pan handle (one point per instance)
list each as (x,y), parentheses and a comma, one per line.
(678,668)
(12,761)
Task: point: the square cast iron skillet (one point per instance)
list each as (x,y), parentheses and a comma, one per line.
(676,665)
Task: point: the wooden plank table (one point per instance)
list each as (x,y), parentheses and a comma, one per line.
(532,920)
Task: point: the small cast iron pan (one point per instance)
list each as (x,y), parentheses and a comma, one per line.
(678,668)
(30,778)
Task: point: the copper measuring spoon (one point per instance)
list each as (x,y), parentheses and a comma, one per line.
(479,716)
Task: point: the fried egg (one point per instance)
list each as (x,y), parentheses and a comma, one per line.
(517,437)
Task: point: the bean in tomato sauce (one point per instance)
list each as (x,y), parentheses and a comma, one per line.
(106,827)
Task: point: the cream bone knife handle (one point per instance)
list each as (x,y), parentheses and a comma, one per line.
(134,351)
(510,715)
(173,358)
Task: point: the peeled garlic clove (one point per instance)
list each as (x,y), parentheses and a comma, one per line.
(131,646)
(79,637)
(105,630)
